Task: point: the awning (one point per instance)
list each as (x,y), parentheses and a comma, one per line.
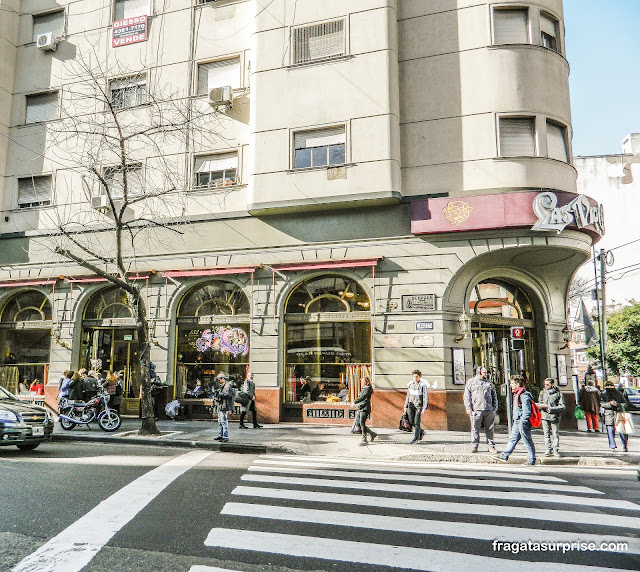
(209,271)
(44,282)
(327,264)
(87,279)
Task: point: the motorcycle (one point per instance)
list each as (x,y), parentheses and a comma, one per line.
(74,413)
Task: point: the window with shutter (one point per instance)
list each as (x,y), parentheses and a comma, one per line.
(34,191)
(511,26)
(557,142)
(124,9)
(318,42)
(115,178)
(548,32)
(319,147)
(128,92)
(218,74)
(218,170)
(52,22)
(517,137)
(42,107)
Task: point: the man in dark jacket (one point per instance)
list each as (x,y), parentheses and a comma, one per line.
(521,427)
(225,396)
(551,404)
(481,403)
(89,384)
(363,402)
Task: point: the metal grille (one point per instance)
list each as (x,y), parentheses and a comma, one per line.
(33,418)
(318,42)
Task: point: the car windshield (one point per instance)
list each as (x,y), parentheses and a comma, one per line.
(4,394)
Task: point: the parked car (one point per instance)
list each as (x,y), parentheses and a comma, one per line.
(633,396)
(23,424)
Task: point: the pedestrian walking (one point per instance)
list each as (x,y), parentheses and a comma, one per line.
(481,403)
(614,403)
(224,397)
(416,403)
(75,388)
(521,423)
(551,405)
(590,404)
(249,387)
(89,384)
(63,389)
(363,402)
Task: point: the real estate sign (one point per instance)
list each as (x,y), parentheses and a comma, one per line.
(129,31)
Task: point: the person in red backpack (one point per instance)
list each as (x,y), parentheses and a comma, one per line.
(521,426)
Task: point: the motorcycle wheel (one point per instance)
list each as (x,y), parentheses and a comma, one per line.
(109,421)
(67,425)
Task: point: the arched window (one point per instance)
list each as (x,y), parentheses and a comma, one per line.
(327,337)
(25,339)
(500,299)
(108,303)
(213,334)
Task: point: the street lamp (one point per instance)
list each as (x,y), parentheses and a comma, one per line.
(566,337)
(464,322)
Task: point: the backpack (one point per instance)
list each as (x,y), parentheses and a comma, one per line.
(535,418)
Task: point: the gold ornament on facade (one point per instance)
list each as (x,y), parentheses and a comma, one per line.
(456,212)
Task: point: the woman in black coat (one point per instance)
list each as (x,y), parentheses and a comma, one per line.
(363,401)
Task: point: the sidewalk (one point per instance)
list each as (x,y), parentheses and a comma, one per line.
(577,448)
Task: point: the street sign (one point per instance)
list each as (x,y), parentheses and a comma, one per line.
(517,333)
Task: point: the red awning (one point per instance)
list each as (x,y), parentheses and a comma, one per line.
(208,271)
(86,279)
(327,264)
(44,282)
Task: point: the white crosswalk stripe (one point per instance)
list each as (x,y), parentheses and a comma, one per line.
(418,506)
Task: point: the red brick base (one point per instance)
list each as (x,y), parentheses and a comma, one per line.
(268,402)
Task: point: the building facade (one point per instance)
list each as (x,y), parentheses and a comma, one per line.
(379,186)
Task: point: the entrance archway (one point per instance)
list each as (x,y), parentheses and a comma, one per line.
(25,339)
(495,307)
(213,335)
(110,342)
(327,331)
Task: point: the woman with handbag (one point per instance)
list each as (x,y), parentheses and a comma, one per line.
(615,416)
(363,401)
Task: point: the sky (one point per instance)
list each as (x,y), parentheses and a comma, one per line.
(603,49)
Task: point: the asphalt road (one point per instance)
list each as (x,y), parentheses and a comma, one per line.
(103,507)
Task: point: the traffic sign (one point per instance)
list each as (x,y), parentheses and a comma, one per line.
(517,333)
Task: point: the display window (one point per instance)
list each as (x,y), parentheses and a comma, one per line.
(25,342)
(213,337)
(327,340)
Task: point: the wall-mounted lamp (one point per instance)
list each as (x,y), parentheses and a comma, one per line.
(566,337)
(57,334)
(464,321)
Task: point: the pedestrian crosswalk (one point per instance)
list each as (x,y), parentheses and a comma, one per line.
(421,516)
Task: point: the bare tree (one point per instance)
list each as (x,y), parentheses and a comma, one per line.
(115,208)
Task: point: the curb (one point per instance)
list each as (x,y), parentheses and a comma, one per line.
(247,448)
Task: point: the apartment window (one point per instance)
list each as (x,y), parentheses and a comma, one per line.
(517,137)
(319,148)
(34,191)
(218,74)
(128,92)
(511,26)
(124,9)
(219,170)
(557,142)
(115,178)
(42,107)
(548,32)
(52,22)
(318,42)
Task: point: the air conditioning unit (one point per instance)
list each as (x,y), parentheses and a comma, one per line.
(100,202)
(47,42)
(221,96)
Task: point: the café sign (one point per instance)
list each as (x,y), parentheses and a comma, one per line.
(579,212)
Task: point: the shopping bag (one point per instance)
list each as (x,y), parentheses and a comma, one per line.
(355,428)
(578,413)
(404,423)
(623,423)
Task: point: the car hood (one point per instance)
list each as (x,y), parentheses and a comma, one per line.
(20,407)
